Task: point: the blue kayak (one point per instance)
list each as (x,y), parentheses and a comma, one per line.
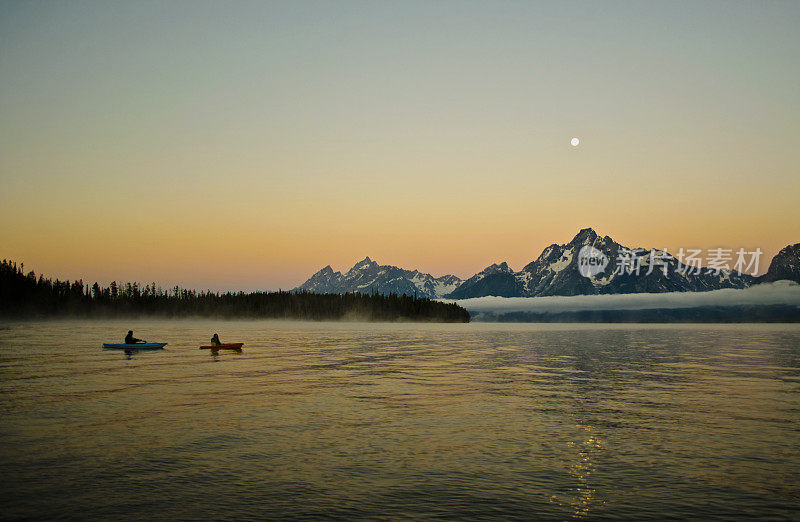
(137,346)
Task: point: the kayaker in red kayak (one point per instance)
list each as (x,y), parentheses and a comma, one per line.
(130,339)
(216,345)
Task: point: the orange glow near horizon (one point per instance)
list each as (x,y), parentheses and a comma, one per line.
(247,146)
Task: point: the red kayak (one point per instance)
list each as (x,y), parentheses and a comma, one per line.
(226,346)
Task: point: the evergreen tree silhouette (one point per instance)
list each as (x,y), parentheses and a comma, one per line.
(25,296)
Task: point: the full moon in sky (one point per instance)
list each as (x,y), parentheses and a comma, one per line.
(574,142)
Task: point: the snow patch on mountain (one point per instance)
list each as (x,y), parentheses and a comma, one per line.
(563,262)
(367,276)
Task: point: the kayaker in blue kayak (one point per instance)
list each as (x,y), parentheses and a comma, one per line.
(215,340)
(130,339)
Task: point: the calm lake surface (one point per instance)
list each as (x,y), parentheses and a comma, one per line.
(354,420)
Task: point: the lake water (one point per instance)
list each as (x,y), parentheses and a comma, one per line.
(354,420)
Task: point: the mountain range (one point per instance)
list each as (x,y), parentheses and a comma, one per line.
(556,272)
(369,277)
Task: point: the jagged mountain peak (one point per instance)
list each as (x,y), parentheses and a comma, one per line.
(364,264)
(367,276)
(323,281)
(584,236)
(588,236)
(496,268)
(556,253)
(498,277)
(785,265)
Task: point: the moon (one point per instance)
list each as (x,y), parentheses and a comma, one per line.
(574,142)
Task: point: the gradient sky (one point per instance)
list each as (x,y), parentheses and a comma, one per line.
(245,145)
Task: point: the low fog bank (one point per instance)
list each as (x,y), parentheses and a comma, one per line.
(783,293)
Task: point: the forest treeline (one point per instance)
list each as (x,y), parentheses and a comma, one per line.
(29,295)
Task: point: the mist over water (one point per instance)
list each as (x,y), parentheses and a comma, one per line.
(766,294)
(363,420)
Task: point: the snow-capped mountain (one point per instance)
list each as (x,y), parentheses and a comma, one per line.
(555,272)
(367,277)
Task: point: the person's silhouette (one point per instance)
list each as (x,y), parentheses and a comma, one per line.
(215,340)
(130,339)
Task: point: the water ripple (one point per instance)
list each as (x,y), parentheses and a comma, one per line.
(377,421)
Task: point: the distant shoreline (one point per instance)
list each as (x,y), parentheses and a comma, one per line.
(763,303)
(783,314)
